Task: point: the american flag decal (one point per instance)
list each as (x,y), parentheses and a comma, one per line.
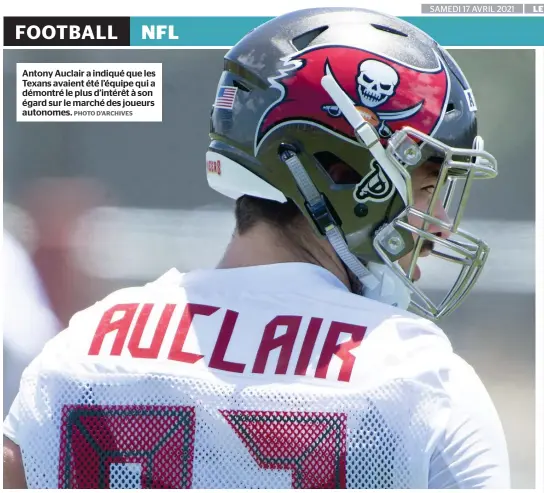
(225,97)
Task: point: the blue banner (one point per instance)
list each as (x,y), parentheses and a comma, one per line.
(227,31)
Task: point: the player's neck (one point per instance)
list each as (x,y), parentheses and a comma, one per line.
(264,246)
(260,246)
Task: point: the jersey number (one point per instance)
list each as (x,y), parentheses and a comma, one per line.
(153,446)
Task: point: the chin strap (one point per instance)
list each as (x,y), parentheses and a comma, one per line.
(325,222)
(374,282)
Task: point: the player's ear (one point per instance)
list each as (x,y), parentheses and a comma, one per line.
(14,473)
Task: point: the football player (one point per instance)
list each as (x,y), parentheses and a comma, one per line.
(309,358)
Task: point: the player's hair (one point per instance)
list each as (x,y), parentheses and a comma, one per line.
(250,211)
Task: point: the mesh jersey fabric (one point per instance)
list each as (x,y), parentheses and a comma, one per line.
(262,377)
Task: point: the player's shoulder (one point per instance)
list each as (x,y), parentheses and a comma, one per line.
(125,301)
(157,289)
(397,344)
(153,291)
(389,320)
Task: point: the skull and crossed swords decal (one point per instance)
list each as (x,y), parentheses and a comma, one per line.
(376,83)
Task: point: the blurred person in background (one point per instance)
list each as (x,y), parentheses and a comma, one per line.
(56,206)
(295,363)
(29,322)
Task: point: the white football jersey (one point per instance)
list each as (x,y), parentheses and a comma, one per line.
(272,376)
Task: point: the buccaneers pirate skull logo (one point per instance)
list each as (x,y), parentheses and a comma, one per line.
(377,82)
(388,94)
